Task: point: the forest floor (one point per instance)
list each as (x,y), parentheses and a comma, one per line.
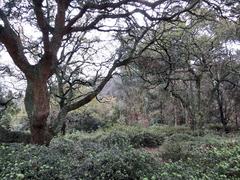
(127,152)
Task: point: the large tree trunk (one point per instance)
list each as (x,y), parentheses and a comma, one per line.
(37,107)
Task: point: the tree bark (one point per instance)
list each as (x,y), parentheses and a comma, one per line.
(221,111)
(192,106)
(37,107)
(198,108)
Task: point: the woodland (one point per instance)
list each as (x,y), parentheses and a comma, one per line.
(120,89)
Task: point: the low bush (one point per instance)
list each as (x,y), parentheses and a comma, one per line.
(88,124)
(172,151)
(170,130)
(208,157)
(32,162)
(119,139)
(118,164)
(92,161)
(110,155)
(146,139)
(176,147)
(180,137)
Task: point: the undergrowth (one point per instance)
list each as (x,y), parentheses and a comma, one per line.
(123,152)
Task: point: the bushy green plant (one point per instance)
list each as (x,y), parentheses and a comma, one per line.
(109,154)
(85,136)
(172,151)
(175,146)
(225,160)
(208,157)
(32,162)
(180,137)
(146,139)
(88,124)
(215,126)
(6,116)
(119,139)
(212,140)
(117,164)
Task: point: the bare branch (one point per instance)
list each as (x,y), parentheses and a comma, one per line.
(14,45)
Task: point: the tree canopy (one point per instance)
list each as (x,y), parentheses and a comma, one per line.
(65,41)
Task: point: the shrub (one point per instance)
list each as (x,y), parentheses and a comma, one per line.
(157,121)
(85,136)
(177,147)
(88,124)
(118,164)
(63,146)
(170,130)
(212,140)
(180,137)
(91,148)
(146,139)
(172,151)
(109,155)
(215,126)
(224,161)
(68,148)
(213,163)
(32,162)
(116,139)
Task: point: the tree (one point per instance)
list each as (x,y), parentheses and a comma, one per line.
(57,21)
(192,63)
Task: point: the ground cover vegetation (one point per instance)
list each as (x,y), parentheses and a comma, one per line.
(123,152)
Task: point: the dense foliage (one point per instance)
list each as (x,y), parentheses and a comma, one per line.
(121,153)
